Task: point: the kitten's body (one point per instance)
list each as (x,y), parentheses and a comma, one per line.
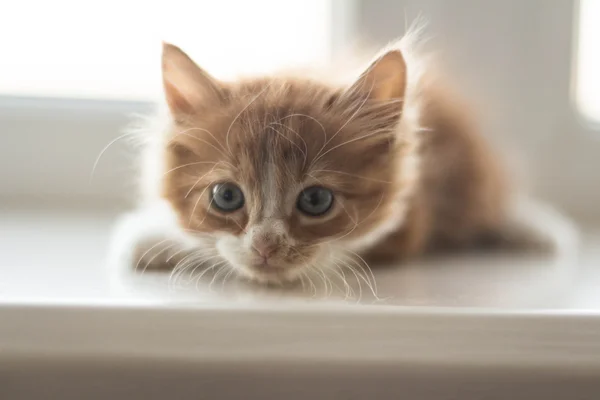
(408,171)
(462,195)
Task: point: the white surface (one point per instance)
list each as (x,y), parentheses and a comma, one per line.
(61,257)
(469,324)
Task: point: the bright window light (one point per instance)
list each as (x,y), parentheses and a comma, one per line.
(588,64)
(110,49)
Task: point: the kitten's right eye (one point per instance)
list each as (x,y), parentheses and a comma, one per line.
(227,197)
(315,201)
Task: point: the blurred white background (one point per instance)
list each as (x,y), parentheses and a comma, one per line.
(111,49)
(72,73)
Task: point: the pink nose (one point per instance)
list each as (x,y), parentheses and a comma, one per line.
(265,248)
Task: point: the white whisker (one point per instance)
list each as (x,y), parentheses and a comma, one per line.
(373,133)
(302,281)
(347,288)
(207,269)
(185,133)
(356,275)
(304,154)
(305,151)
(190,164)
(196,205)
(216,275)
(348,174)
(97,161)
(240,113)
(198,181)
(231,271)
(188,262)
(146,253)
(372,285)
(311,283)
(319,155)
(202,130)
(201,260)
(366,266)
(155,256)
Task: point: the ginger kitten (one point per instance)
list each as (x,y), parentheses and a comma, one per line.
(278,176)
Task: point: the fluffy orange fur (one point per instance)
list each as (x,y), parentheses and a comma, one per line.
(407,170)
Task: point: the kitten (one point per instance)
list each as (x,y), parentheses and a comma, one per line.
(278,176)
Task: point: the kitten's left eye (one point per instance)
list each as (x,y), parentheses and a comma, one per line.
(227,197)
(315,201)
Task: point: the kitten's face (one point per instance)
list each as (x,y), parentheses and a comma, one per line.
(277,173)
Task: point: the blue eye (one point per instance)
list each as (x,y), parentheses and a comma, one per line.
(227,197)
(315,201)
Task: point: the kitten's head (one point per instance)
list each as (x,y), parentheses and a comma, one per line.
(276,172)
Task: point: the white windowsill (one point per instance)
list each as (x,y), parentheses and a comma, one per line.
(58,303)
(54,256)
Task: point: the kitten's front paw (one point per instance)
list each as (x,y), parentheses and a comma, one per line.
(147,239)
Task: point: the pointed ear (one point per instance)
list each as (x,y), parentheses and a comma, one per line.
(186,85)
(385,79)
